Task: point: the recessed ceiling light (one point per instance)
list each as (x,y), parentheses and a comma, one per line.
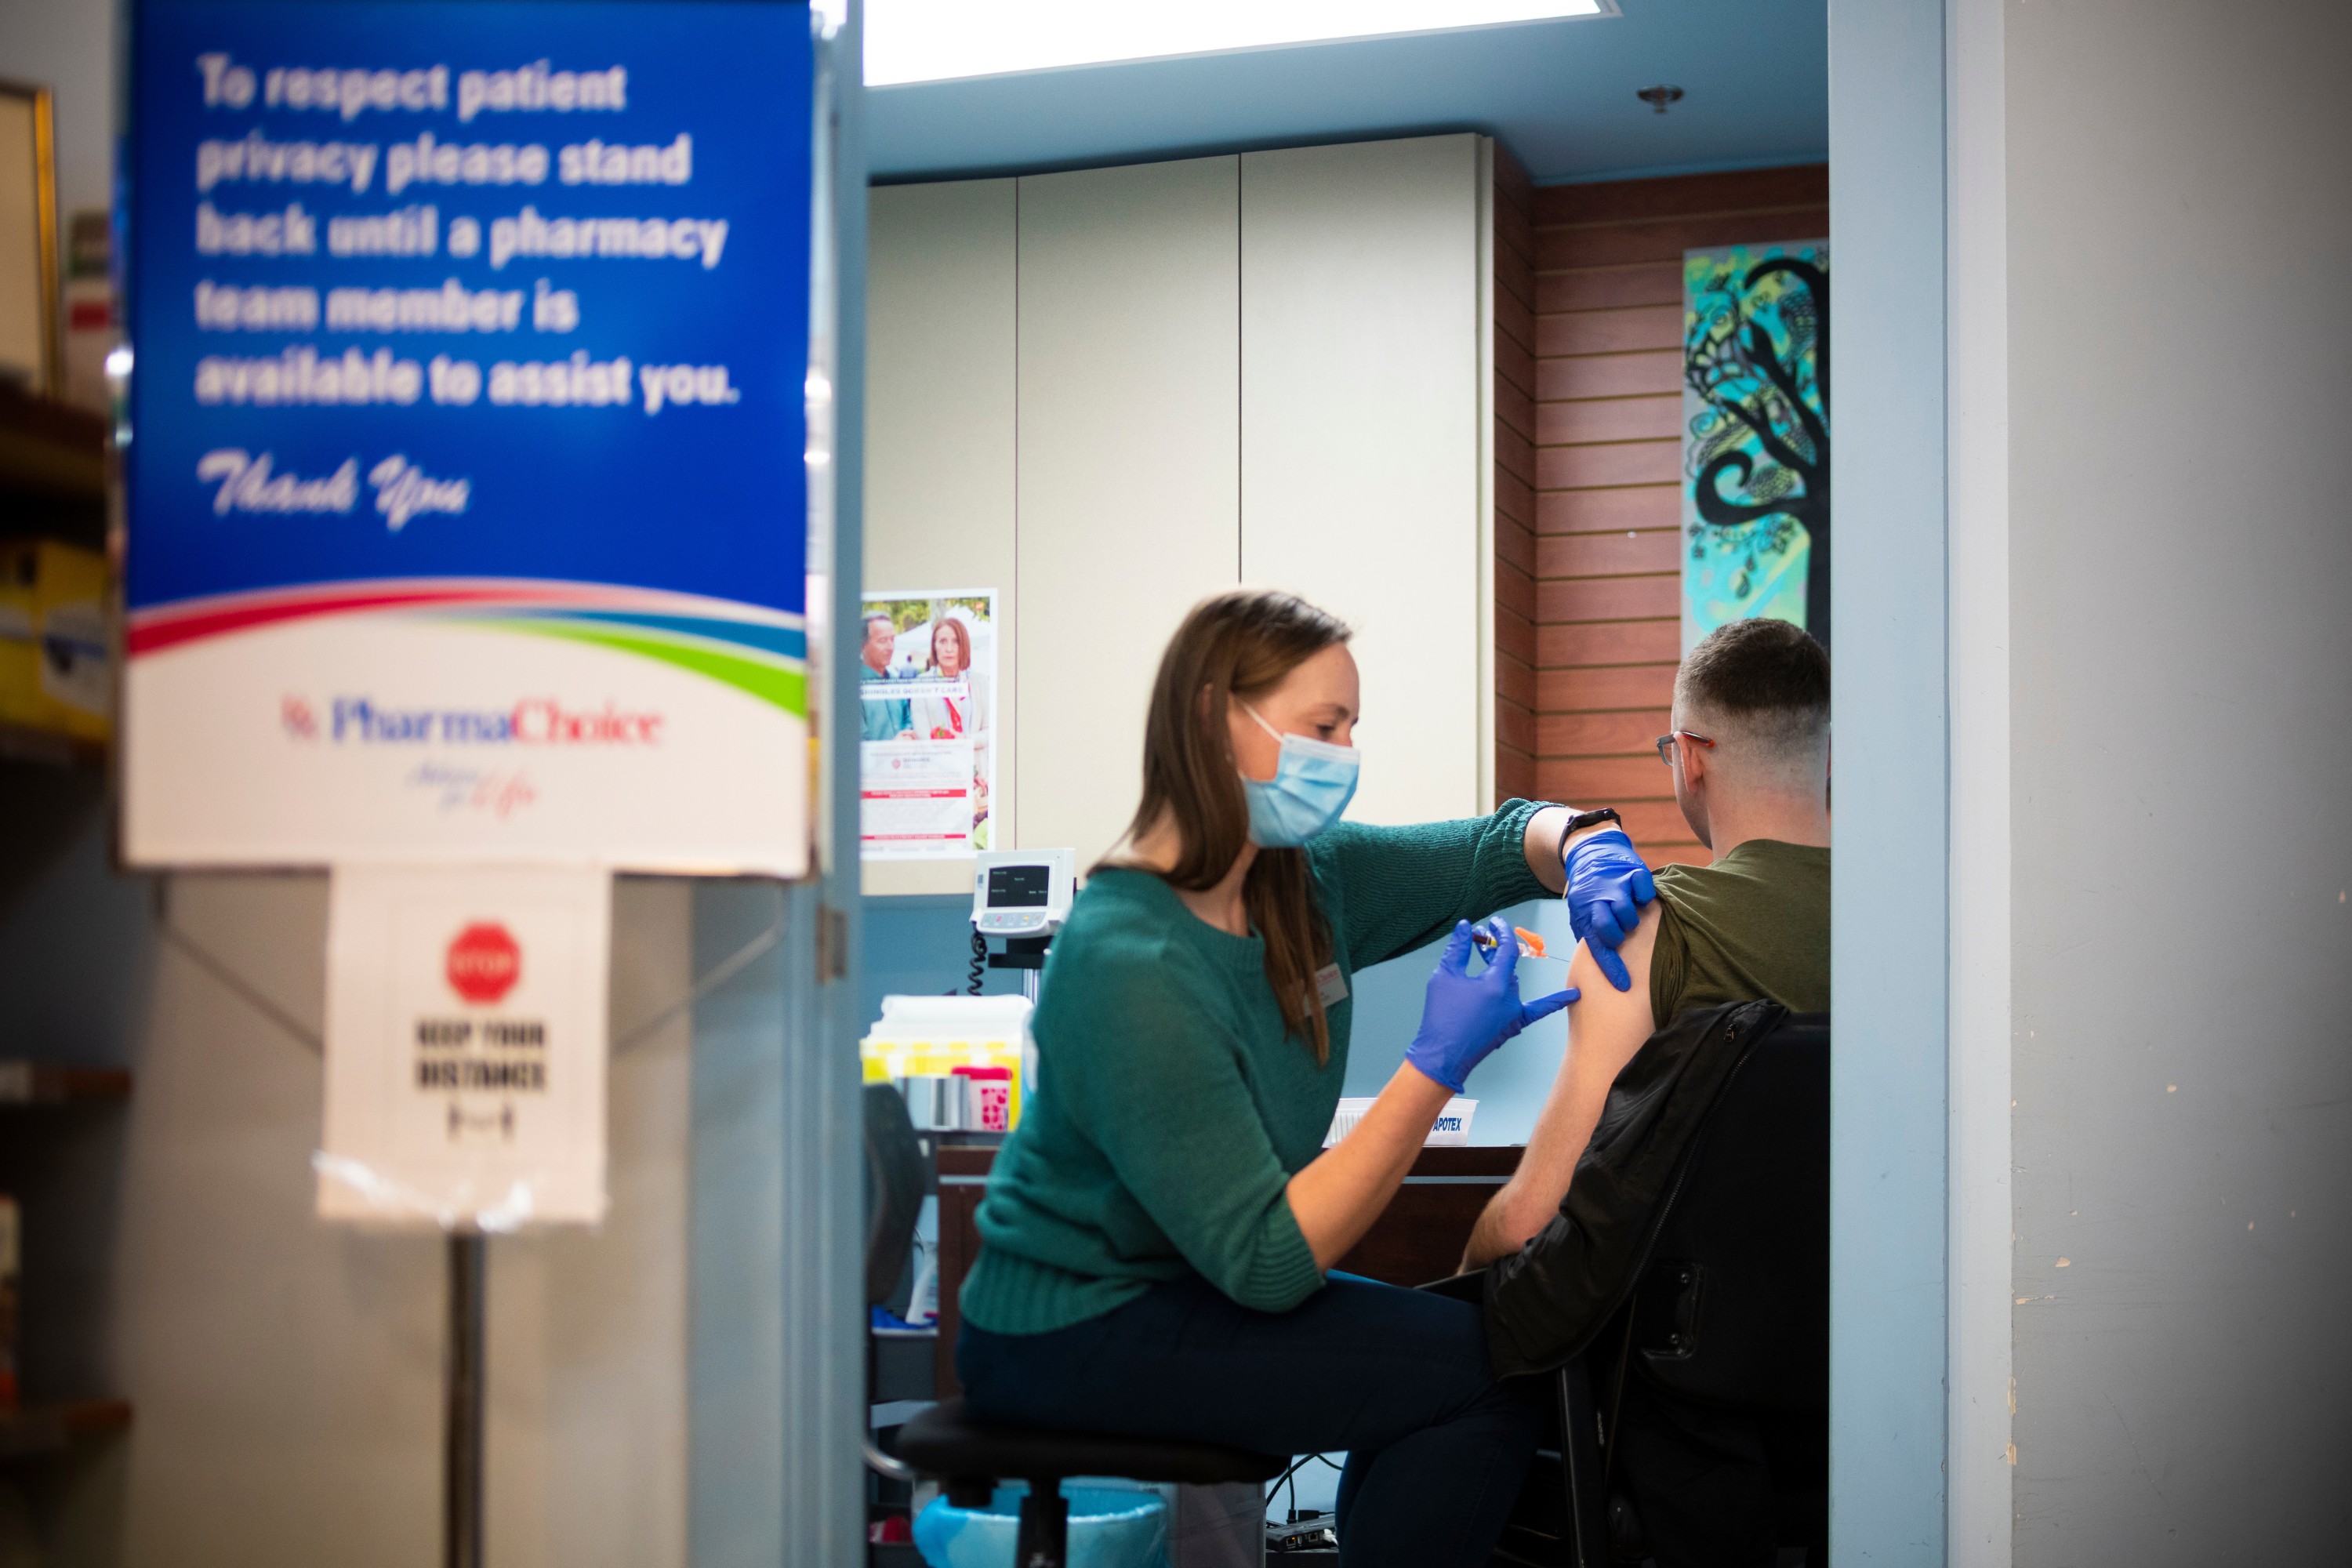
(933,40)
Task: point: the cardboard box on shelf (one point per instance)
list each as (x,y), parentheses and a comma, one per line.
(57,653)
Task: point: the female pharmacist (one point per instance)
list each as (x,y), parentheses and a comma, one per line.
(1158,1237)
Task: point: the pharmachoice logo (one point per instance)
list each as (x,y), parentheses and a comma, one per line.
(532,722)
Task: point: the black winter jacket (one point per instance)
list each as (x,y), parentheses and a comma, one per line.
(1544,1305)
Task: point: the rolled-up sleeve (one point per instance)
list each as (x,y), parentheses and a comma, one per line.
(1402,887)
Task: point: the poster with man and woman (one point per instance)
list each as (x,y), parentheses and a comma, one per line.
(927,669)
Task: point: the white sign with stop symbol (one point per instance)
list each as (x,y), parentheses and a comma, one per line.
(465,1047)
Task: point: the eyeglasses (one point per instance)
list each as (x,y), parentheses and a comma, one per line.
(1665,743)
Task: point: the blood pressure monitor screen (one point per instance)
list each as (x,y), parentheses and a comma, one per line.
(1017,887)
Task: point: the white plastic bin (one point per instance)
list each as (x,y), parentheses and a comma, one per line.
(1452,1130)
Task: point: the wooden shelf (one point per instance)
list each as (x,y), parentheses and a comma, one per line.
(43,1083)
(53,469)
(35,1431)
(51,448)
(24,743)
(53,472)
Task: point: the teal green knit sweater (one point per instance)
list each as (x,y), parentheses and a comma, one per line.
(1171,1108)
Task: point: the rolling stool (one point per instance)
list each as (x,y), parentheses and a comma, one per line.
(946,1444)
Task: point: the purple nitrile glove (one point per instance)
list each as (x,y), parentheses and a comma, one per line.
(1607,886)
(1463,1017)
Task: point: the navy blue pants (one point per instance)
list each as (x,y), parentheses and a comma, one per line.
(1436,1447)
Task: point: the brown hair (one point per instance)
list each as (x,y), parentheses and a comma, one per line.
(963,641)
(1240,642)
(1769,677)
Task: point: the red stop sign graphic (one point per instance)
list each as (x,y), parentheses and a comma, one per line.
(483,962)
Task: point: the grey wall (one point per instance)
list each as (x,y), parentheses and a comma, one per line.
(2182,556)
(71,991)
(67,45)
(285,1375)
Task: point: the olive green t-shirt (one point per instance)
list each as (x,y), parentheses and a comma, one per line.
(1754,925)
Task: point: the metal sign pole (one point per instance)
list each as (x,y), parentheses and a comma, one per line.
(461,1415)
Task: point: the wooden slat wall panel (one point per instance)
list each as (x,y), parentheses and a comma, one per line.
(1594,511)
(1604,368)
(1598,778)
(1605,599)
(1607,463)
(1610,419)
(1609,375)
(1618,244)
(1604,554)
(1611,330)
(1562,649)
(1517,472)
(1611,287)
(1684,195)
(1515,406)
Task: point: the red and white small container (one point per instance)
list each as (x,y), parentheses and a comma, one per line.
(988,1099)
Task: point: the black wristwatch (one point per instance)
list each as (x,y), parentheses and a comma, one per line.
(1578,821)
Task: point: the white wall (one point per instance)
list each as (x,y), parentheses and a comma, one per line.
(2182,656)
(940,503)
(1129,469)
(1109,393)
(1362,402)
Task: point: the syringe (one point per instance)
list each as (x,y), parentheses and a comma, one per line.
(1531,945)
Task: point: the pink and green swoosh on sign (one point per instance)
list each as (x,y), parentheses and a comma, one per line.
(758,651)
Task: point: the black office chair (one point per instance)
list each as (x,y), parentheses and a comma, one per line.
(894,1189)
(1728,1316)
(894,1201)
(946,1442)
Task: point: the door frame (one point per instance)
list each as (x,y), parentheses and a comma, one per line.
(1919,1435)
(1919,1224)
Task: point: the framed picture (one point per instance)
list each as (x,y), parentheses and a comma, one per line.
(927,758)
(1756,436)
(28,241)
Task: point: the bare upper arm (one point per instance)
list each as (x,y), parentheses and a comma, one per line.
(1605,1027)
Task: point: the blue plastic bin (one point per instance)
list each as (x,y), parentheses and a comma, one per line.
(1109,1528)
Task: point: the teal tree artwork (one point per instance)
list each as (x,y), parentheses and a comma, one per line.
(1756,436)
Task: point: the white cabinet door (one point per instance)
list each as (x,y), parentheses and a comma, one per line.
(939,438)
(1128,482)
(1364,484)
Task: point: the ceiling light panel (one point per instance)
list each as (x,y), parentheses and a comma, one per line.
(934,40)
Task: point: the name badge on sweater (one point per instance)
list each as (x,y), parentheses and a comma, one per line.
(1331,986)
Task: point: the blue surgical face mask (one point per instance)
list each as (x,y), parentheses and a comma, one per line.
(1312,785)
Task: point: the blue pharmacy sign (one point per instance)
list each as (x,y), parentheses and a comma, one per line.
(467,507)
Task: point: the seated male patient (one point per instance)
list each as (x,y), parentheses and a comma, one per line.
(1750,750)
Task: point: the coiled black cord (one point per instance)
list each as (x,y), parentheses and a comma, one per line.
(978,961)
